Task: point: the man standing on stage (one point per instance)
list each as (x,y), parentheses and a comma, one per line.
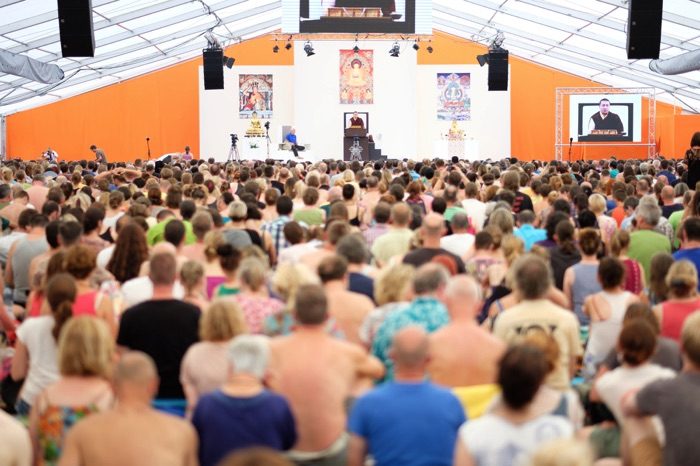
(605,119)
(100,156)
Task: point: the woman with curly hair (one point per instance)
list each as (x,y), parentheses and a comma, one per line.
(130,251)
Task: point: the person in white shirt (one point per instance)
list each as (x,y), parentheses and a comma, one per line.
(459,242)
(476,210)
(636,344)
(512,432)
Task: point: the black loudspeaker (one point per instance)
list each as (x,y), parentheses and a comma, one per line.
(498,70)
(75,26)
(644,28)
(213,69)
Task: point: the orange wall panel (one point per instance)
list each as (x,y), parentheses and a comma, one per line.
(684,128)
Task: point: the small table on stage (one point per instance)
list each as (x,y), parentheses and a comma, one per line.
(355,138)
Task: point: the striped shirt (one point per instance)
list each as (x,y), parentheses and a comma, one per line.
(276,230)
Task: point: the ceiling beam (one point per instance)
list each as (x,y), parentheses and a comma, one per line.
(160,40)
(590,17)
(156,57)
(35,20)
(51,39)
(667,15)
(592,63)
(612,62)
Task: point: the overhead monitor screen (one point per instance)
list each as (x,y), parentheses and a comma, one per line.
(357,16)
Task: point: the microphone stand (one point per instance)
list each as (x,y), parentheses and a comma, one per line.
(148,145)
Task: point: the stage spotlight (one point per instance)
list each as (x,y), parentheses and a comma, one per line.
(416,47)
(309,49)
(275,49)
(356,49)
(395,49)
(229,61)
(288,46)
(430,49)
(482,59)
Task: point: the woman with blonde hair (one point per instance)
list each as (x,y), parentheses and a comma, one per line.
(683,299)
(254,298)
(204,367)
(607,225)
(85,356)
(192,279)
(392,291)
(286,281)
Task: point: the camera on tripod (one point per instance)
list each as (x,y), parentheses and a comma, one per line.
(234,139)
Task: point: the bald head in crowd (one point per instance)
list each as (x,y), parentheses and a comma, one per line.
(409,350)
(136,374)
(400,215)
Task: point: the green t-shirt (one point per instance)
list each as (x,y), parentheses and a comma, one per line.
(451,211)
(156,233)
(675,221)
(644,245)
(309,216)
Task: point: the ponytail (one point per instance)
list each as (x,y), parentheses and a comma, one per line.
(61,315)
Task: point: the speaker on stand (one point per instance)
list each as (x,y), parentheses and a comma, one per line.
(498,69)
(213,68)
(644,28)
(75,28)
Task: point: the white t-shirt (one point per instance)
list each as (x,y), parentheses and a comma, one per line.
(110,222)
(612,387)
(140,289)
(104,256)
(493,441)
(35,334)
(457,244)
(476,211)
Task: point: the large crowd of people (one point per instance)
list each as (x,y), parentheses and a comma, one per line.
(441,312)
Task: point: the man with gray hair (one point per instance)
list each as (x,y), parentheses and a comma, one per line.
(460,241)
(411,421)
(462,353)
(427,311)
(243,413)
(645,241)
(535,313)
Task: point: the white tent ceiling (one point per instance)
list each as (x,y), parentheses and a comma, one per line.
(134,37)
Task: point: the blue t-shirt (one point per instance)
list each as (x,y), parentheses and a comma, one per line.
(292,138)
(692,255)
(411,424)
(530,235)
(225,424)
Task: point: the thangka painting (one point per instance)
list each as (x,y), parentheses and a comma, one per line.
(453,96)
(255,95)
(356,77)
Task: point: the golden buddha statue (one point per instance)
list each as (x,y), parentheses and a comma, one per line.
(255,129)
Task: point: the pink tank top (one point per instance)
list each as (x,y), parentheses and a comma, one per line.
(673,316)
(84,304)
